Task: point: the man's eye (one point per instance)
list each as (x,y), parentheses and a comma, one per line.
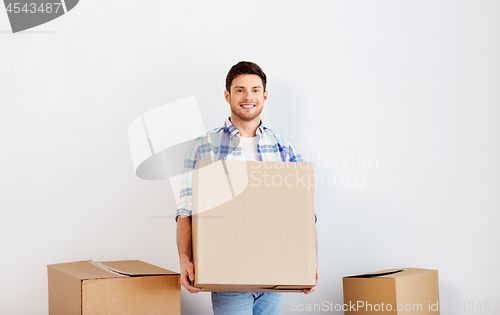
(256,91)
(239,90)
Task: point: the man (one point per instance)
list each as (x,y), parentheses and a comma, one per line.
(243,137)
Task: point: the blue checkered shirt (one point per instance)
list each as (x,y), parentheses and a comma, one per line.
(223,144)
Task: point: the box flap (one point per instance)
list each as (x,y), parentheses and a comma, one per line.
(389,273)
(136,268)
(86,269)
(412,272)
(89,269)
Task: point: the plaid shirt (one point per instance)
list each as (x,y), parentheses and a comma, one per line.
(223,144)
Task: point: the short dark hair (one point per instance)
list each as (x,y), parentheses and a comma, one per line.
(245,67)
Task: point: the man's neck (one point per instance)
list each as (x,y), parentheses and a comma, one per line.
(247,128)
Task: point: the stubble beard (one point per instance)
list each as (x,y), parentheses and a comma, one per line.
(255,114)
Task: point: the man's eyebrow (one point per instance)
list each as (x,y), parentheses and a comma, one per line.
(253,87)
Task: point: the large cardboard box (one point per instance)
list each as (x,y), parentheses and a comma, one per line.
(393,291)
(253,226)
(129,287)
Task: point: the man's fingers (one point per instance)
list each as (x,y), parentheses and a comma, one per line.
(189,270)
(192,289)
(191,274)
(185,277)
(311,290)
(184,281)
(189,287)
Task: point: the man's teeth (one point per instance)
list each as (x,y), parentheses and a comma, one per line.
(247,106)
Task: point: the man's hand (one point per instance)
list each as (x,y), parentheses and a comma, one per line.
(311,290)
(187,275)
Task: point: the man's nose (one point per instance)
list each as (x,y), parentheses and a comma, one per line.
(249,96)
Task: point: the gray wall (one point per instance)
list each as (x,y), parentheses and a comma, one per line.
(400,98)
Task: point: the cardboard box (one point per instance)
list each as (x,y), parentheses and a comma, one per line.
(393,291)
(112,287)
(253,226)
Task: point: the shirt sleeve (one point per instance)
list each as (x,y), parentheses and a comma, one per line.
(291,152)
(185,205)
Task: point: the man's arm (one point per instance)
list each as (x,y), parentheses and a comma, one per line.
(184,245)
(183,218)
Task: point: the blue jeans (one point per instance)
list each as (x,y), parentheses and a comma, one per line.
(247,303)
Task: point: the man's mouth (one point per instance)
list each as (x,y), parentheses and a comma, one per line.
(247,106)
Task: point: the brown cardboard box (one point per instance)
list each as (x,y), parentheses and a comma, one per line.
(393,291)
(129,287)
(253,226)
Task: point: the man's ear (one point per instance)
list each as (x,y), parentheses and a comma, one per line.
(227,96)
(265,96)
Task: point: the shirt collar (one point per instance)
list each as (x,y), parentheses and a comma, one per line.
(233,131)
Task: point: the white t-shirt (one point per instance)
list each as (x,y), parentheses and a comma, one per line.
(249,148)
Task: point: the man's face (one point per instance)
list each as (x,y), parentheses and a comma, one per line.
(247,96)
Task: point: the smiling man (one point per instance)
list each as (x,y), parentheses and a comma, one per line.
(246,95)
(243,137)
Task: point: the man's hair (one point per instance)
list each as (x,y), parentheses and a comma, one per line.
(245,67)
